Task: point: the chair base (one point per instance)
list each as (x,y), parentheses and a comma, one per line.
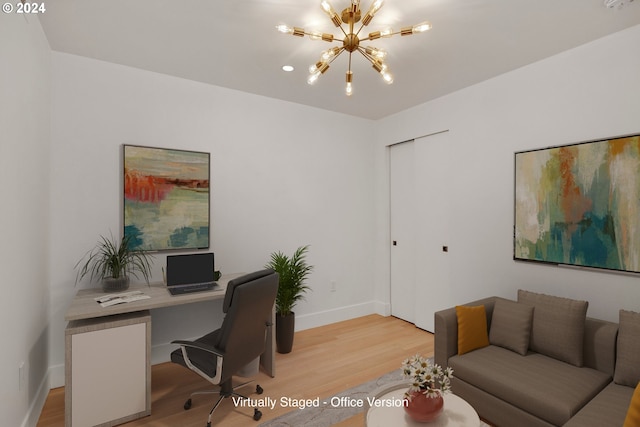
(226,391)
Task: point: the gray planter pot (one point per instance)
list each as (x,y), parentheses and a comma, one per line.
(115,285)
(285,326)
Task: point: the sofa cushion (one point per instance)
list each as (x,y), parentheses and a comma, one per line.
(628,350)
(543,386)
(558,326)
(472,328)
(632,418)
(511,325)
(608,408)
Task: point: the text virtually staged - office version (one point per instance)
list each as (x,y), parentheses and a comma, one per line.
(166,198)
(579,204)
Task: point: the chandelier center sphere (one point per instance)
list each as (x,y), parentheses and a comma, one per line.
(351,42)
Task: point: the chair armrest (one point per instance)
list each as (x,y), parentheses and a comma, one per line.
(204,347)
(199,346)
(446,330)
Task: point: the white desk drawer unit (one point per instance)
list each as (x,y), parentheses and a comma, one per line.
(108,370)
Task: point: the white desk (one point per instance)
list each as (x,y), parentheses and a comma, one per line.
(127,323)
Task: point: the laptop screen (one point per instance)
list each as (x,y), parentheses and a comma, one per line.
(189,269)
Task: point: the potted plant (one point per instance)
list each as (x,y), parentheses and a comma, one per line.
(293,272)
(429,382)
(113,262)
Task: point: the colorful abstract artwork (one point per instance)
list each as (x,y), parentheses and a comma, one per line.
(580,204)
(166,198)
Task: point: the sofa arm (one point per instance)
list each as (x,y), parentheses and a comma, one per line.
(446,330)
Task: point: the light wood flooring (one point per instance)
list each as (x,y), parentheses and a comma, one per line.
(324,362)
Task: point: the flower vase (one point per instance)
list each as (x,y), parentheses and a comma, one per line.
(422,408)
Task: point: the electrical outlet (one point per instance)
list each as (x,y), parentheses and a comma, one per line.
(333,286)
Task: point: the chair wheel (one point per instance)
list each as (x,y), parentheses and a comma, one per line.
(259,389)
(257,414)
(187,405)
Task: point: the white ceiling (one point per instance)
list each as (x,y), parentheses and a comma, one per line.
(234,44)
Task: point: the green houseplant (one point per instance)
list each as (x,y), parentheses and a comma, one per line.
(293,272)
(113,262)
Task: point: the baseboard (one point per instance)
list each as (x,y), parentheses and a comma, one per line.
(35,407)
(321,318)
(383,308)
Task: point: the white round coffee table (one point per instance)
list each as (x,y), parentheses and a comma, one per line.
(457,412)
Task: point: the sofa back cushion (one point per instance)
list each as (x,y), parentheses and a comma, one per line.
(600,341)
(511,325)
(628,354)
(558,326)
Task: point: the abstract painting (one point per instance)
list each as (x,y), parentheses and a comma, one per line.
(166,198)
(580,204)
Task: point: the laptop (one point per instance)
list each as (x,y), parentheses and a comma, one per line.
(190,273)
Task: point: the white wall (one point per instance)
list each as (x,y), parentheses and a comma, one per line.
(586,93)
(25,68)
(283,175)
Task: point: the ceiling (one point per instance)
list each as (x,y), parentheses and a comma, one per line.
(234,44)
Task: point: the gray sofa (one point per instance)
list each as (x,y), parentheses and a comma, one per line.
(546,364)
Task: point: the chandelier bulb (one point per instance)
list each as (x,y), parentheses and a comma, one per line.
(326,6)
(348,90)
(373,9)
(313,77)
(328,54)
(284,29)
(329,10)
(376,5)
(387,77)
(375,52)
(422,27)
(315,35)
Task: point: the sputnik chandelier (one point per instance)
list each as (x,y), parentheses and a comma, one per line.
(351,41)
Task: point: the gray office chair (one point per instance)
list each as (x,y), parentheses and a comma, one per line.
(217,356)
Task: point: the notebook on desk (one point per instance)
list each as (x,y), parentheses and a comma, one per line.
(190,273)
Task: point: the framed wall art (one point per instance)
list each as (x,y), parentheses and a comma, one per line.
(579,204)
(166,198)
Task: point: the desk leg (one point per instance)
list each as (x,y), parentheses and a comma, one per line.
(268,358)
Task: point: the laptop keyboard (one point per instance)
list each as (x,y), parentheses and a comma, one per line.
(196,287)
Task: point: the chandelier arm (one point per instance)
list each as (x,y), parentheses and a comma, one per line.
(360,29)
(343,31)
(369,38)
(366,55)
(337,54)
(403,31)
(333,58)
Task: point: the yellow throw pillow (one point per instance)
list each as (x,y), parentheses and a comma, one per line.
(472,328)
(633,413)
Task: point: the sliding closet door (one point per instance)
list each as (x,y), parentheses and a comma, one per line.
(433,191)
(402,211)
(419,193)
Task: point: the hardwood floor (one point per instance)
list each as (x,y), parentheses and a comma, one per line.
(324,361)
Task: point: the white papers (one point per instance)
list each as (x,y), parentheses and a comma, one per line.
(121,298)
